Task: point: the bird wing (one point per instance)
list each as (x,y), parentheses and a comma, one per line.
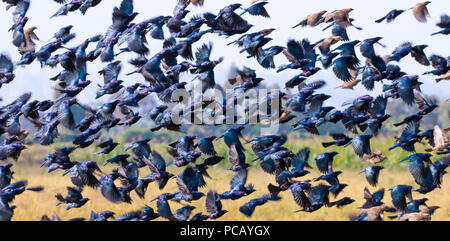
(300,159)
(295,49)
(300,197)
(211,199)
(258,10)
(74,194)
(233,155)
(111,193)
(203,53)
(164,211)
(420,56)
(341,66)
(438,137)
(181,185)
(150,165)
(239,179)
(421,13)
(420,100)
(158,161)
(5,63)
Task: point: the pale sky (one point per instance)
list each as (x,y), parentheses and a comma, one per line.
(284,15)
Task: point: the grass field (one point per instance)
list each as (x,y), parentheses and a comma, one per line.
(32,205)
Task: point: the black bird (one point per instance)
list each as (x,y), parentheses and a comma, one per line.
(409,136)
(144,214)
(101,216)
(373,199)
(331,178)
(165,211)
(111,192)
(372,173)
(390,16)
(157,166)
(361,144)
(237,186)
(188,182)
(324,161)
(248,208)
(108,146)
(140,149)
(399,194)
(6,174)
(342,202)
(257,9)
(422,174)
(74,199)
(82,174)
(339,140)
(206,146)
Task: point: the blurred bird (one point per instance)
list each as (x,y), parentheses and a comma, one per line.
(372,173)
(74,199)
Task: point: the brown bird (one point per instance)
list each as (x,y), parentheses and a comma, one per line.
(255,1)
(420,11)
(375,213)
(197,2)
(351,83)
(324,46)
(446,76)
(285,117)
(441,139)
(415,217)
(28,44)
(312,20)
(339,17)
(374,158)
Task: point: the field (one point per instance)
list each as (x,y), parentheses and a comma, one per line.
(33,205)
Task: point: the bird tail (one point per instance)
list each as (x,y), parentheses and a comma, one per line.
(398,124)
(327,144)
(393,147)
(35,189)
(247,210)
(235,41)
(156,128)
(302,23)
(327,27)
(273,189)
(93,216)
(380,20)
(282,67)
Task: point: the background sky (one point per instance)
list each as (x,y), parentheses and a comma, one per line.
(284,15)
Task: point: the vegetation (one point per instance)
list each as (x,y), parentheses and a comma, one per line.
(33,205)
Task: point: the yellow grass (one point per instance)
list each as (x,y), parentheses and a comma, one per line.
(31,205)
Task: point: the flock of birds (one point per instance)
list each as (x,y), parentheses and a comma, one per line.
(363,117)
